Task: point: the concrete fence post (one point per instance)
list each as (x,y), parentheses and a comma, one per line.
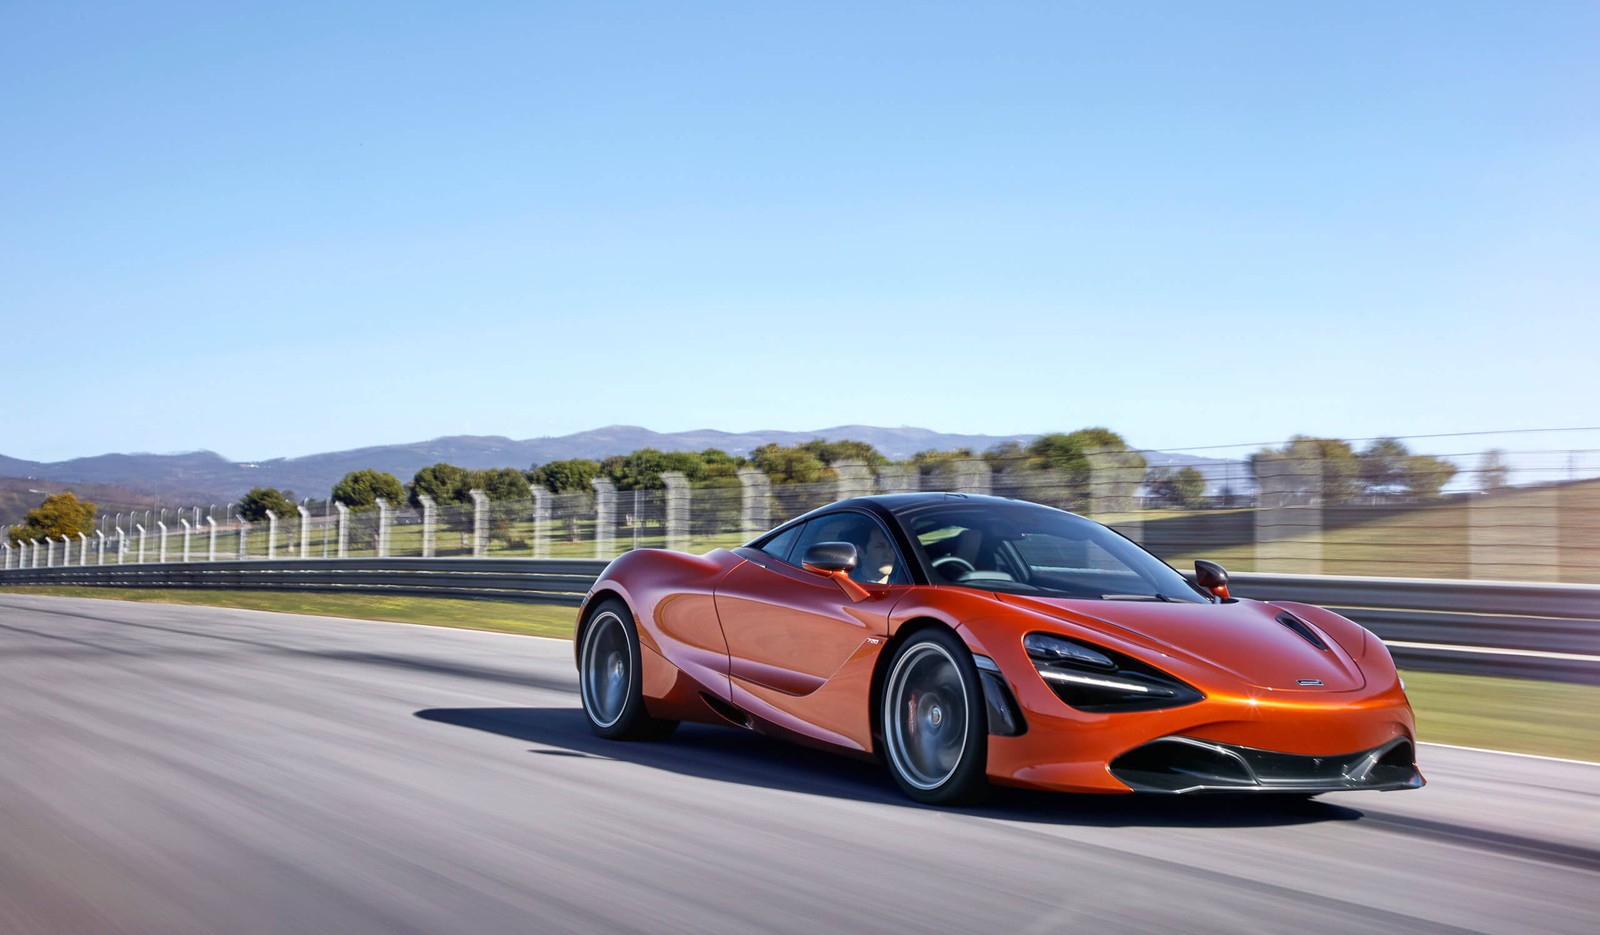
(969,475)
(35,550)
(678,505)
(187,529)
(122,545)
(430,518)
(5,546)
(755,507)
(480,522)
(605,516)
(211,548)
(1114,479)
(1515,537)
(899,478)
(385,526)
(344,529)
(855,479)
(244,534)
(305,530)
(83,549)
(161,543)
(143,537)
(49,552)
(541,520)
(1288,515)
(272,534)
(100,547)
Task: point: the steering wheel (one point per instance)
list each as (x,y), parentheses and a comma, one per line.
(965,567)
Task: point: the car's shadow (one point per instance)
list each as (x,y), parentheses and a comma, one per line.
(732,755)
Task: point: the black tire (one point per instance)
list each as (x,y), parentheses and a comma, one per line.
(609,679)
(935,731)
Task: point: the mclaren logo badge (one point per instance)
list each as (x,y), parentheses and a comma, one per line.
(1308,682)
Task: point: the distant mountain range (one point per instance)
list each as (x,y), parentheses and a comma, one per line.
(206,477)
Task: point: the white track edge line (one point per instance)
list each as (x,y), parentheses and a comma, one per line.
(1526,756)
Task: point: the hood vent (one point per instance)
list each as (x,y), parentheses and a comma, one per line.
(1299,626)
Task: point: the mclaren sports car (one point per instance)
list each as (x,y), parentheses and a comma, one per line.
(970,640)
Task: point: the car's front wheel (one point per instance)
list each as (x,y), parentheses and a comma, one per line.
(609,678)
(934,732)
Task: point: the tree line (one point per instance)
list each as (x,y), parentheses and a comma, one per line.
(1384,468)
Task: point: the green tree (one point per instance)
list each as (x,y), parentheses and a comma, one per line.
(1425,475)
(445,483)
(1007,456)
(1305,457)
(1190,486)
(788,465)
(574,474)
(499,484)
(1383,465)
(61,514)
(721,468)
(1493,472)
(360,490)
(254,505)
(843,450)
(642,469)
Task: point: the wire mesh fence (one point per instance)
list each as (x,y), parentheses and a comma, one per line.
(1529,515)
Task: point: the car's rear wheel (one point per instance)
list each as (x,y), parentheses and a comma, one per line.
(934,733)
(609,677)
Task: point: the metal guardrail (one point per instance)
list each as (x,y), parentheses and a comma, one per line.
(1549,631)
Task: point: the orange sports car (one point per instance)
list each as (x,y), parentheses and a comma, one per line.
(968,640)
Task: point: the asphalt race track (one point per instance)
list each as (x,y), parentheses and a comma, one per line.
(172,770)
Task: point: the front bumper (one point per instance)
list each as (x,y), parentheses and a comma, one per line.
(1178,765)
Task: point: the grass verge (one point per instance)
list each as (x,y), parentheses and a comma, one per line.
(1519,715)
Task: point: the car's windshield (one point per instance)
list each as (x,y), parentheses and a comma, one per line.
(1023,548)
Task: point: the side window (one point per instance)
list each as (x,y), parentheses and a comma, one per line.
(779,546)
(877,560)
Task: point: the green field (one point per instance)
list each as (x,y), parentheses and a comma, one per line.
(1519,715)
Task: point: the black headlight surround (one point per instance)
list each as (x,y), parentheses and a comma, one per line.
(1102,680)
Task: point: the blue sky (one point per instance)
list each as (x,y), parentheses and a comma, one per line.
(285,229)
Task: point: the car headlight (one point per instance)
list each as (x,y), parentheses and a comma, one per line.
(1092,678)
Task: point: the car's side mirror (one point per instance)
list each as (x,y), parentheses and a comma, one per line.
(831,557)
(1212,578)
(836,560)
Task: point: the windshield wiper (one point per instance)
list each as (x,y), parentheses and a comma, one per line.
(1136,597)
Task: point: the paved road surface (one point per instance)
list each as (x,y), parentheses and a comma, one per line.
(172,770)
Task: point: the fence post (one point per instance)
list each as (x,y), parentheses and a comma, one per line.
(899,478)
(305,530)
(541,520)
(1289,515)
(755,508)
(5,546)
(605,516)
(49,552)
(100,547)
(1114,479)
(1516,537)
(344,529)
(480,522)
(678,504)
(122,545)
(83,549)
(385,525)
(211,550)
(855,479)
(35,551)
(186,530)
(244,534)
(968,475)
(430,516)
(272,534)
